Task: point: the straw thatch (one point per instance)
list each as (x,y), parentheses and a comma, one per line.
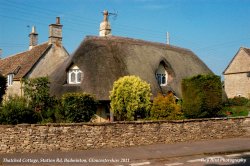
(105,59)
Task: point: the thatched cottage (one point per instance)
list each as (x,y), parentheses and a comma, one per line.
(40,60)
(237,75)
(101,60)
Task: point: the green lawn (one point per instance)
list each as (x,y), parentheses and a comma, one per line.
(233,111)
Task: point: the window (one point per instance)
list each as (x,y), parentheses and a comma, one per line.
(161,78)
(10,79)
(162,75)
(248,74)
(74,75)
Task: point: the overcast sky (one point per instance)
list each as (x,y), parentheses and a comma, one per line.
(213,29)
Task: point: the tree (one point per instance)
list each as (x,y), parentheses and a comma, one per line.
(37,91)
(165,107)
(78,107)
(3,83)
(202,96)
(130,97)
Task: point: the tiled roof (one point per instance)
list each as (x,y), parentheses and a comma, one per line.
(20,64)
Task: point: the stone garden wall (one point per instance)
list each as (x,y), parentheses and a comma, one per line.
(66,137)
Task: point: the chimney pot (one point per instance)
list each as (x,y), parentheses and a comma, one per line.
(33,29)
(57,20)
(105,28)
(33,38)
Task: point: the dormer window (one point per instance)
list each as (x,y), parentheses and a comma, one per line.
(74,75)
(10,79)
(162,75)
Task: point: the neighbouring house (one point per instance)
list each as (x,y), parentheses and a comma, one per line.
(40,60)
(237,75)
(101,60)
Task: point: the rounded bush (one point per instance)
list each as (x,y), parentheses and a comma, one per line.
(130,98)
(78,107)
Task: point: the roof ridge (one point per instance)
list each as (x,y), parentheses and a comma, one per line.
(138,40)
(244,47)
(12,55)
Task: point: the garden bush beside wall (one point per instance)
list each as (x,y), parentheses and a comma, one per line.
(202,96)
(130,98)
(16,110)
(165,107)
(78,107)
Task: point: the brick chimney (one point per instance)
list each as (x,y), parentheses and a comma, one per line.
(105,28)
(55,33)
(33,38)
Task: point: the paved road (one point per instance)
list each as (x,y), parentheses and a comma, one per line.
(199,153)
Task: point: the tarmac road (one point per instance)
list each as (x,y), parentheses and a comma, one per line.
(186,153)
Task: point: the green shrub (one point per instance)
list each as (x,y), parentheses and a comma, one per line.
(16,110)
(237,106)
(238,101)
(77,107)
(202,96)
(3,83)
(37,91)
(234,111)
(130,98)
(165,107)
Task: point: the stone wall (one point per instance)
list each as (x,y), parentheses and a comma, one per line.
(66,137)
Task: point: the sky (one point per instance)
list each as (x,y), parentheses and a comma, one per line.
(213,29)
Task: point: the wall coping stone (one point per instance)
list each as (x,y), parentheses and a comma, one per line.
(126,122)
(31,138)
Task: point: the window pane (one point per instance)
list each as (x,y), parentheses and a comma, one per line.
(163,80)
(73,77)
(10,79)
(79,77)
(158,77)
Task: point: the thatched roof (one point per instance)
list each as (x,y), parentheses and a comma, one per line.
(105,59)
(20,64)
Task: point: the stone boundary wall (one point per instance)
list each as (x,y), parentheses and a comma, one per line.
(66,137)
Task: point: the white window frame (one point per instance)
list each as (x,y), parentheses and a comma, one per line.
(10,79)
(161,73)
(160,79)
(74,70)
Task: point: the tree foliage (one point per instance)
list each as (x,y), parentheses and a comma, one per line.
(78,107)
(165,107)
(37,91)
(130,97)
(3,84)
(202,96)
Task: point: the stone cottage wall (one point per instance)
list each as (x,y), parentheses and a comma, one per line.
(14,89)
(237,85)
(66,137)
